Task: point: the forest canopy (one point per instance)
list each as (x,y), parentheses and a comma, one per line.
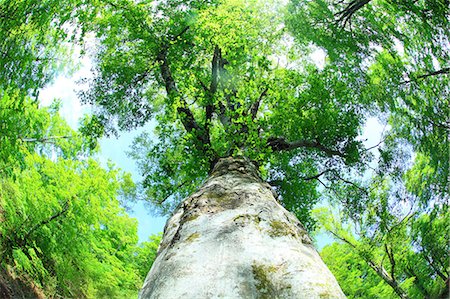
(229,78)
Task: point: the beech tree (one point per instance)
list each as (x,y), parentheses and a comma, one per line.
(235,103)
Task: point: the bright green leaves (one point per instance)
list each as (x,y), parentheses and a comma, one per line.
(243,30)
(61,223)
(399,259)
(355,277)
(172,167)
(209,73)
(316,106)
(33,40)
(25,128)
(146,254)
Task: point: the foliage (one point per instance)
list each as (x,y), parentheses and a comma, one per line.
(207,73)
(145,254)
(355,277)
(34,40)
(403,241)
(63,227)
(398,52)
(26,128)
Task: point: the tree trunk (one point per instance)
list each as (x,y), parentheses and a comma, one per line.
(232,239)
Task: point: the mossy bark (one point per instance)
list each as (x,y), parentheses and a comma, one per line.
(232,239)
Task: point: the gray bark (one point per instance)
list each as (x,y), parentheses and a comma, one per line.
(232,239)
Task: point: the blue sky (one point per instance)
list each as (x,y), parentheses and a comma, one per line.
(64,88)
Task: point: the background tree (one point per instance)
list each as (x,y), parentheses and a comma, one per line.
(398,52)
(355,277)
(62,229)
(389,232)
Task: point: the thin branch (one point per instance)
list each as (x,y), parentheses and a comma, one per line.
(406,218)
(345,15)
(391,260)
(203,85)
(186,116)
(438,272)
(215,64)
(351,183)
(280,144)
(170,194)
(342,239)
(209,108)
(48,220)
(315,176)
(378,144)
(255,107)
(43,139)
(443,71)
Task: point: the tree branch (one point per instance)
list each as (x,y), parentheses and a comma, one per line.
(280,144)
(255,107)
(345,15)
(43,139)
(215,64)
(391,260)
(48,220)
(209,109)
(443,71)
(186,116)
(315,176)
(380,270)
(351,183)
(170,194)
(438,272)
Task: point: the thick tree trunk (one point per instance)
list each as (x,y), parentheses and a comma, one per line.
(232,239)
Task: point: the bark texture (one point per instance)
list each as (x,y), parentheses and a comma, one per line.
(232,239)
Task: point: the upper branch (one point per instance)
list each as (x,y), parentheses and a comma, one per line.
(345,15)
(443,71)
(255,107)
(64,210)
(46,139)
(186,116)
(209,109)
(166,74)
(215,69)
(280,144)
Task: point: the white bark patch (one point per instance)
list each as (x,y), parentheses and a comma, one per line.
(232,239)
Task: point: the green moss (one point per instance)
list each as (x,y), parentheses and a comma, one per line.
(279,229)
(192,237)
(269,282)
(325,296)
(191,218)
(264,285)
(247,218)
